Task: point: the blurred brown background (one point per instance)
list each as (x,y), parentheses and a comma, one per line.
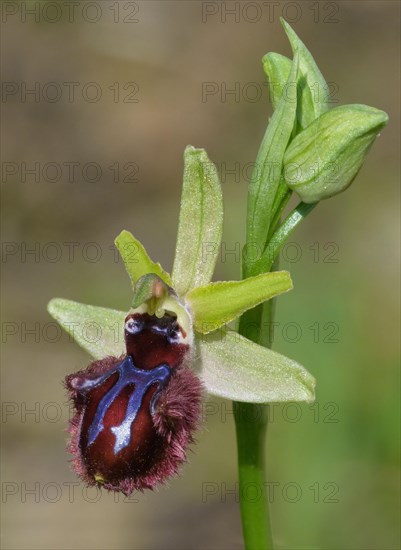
(112,91)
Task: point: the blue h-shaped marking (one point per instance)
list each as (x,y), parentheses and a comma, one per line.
(127,374)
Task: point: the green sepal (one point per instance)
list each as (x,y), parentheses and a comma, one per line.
(216,304)
(200,223)
(98,330)
(136,259)
(236,368)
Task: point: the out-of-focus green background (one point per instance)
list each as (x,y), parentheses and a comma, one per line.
(333,466)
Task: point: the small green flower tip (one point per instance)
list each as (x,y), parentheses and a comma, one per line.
(150,287)
(324,159)
(153,296)
(190,149)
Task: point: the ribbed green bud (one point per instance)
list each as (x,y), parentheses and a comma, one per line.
(323,159)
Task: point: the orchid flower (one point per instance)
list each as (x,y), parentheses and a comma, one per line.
(177,324)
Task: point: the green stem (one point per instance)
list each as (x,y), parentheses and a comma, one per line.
(251,423)
(251,419)
(251,427)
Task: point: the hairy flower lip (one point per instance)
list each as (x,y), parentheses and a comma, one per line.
(133,424)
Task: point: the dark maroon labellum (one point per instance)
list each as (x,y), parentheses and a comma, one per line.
(135,415)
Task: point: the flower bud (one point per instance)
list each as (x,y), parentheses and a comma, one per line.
(323,159)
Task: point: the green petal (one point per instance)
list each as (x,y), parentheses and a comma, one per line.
(98,330)
(235,368)
(136,259)
(314,88)
(201,222)
(266,175)
(219,303)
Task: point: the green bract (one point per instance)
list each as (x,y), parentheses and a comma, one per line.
(313,90)
(230,365)
(266,175)
(324,158)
